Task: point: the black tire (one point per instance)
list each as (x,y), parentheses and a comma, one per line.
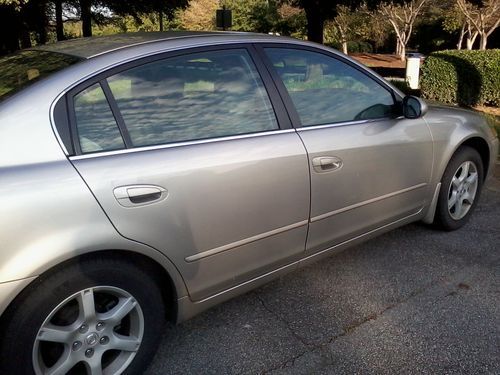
(23,319)
(443,218)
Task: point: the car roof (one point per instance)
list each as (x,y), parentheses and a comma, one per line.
(94,46)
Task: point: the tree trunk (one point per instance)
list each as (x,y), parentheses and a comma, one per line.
(471,38)
(461,38)
(86,16)
(42,35)
(483,42)
(344,46)
(315,24)
(59,20)
(470,41)
(10,29)
(35,13)
(160,17)
(25,37)
(400,49)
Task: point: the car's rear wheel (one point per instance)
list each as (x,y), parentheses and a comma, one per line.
(99,316)
(460,189)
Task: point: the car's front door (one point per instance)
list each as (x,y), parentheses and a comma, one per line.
(197,164)
(369,166)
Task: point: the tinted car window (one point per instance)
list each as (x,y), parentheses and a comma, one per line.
(97,128)
(325,90)
(194,96)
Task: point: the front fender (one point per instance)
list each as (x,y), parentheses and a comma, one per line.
(451,128)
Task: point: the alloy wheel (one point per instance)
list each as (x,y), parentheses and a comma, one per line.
(462,190)
(94,331)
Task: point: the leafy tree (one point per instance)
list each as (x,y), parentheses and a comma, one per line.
(248,15)
(484,18)
(199,15)
(252,15)
(351,25)
(291,21)
(455,20)
(402,18)
(376,28)
(136,8)
(24,22)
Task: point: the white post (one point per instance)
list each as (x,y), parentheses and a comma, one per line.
(413,72)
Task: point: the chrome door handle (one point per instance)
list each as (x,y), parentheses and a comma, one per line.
(139,195)
(326,163)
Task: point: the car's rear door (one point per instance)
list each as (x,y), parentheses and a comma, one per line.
(369,165)
(191,154)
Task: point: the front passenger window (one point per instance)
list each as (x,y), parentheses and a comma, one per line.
(325,90)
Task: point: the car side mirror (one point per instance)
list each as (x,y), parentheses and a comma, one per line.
(414,107)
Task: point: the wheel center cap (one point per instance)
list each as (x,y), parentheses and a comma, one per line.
(92,339)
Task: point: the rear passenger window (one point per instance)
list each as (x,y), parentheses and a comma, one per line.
(97,128)
(195,96)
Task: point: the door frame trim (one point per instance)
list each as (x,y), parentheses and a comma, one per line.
(179,144)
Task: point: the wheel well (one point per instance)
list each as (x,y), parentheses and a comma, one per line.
(152,268)
(481,146)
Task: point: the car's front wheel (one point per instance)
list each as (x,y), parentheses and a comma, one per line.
(460,189)
(99,316)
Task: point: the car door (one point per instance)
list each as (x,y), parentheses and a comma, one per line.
(369,165)
(187,153)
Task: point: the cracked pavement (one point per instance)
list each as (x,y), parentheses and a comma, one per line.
(415,300)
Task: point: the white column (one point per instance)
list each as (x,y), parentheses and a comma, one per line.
(413,72)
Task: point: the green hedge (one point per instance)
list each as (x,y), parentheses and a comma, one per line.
(404,87)
(462,77)
(359,47)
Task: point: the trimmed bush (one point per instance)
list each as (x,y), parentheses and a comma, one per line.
(359,47)
(404,87)
(466,78)
(352,47)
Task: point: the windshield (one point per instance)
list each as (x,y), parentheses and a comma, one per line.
(21,69)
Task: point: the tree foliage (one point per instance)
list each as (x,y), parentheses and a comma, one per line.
(252,15)
(24,22)
(262,16)
(199,15)
(348,24)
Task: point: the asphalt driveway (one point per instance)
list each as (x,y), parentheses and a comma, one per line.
(414,300)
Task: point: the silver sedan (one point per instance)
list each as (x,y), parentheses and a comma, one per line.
(147,177)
